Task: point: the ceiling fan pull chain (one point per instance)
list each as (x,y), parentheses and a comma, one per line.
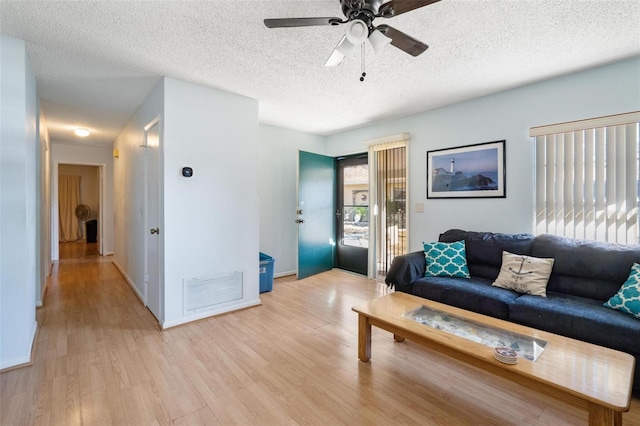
(364,74)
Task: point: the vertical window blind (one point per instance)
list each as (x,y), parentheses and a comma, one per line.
(587,178)
(388,163)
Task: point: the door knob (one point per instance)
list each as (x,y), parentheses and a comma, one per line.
(299,220)
(155,230)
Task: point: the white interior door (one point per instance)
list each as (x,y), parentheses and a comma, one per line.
(154,238)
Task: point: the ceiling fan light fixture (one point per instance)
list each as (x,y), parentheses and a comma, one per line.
(378,41)
(357,32)
(345,47)
(358,17)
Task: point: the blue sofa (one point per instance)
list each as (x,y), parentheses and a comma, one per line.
(585,274)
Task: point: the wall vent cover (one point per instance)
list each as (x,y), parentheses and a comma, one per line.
(203,293)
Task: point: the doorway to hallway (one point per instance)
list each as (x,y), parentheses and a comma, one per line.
(77,207)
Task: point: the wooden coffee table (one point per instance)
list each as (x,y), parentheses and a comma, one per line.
(595,378)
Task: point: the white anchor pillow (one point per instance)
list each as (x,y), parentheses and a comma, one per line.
(524,274)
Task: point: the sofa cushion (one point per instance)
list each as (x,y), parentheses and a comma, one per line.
(446,260)
(475,294)
(627,299)
(590,269)
(578,318)
(524,274)
(484,249)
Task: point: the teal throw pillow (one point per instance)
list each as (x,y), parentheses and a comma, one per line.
(627,299)
(446,260)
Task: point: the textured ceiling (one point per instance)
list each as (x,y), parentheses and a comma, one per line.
(95,61)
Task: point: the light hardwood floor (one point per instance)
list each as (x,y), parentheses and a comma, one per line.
(101,359)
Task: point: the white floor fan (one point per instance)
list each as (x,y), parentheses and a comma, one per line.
(83,213)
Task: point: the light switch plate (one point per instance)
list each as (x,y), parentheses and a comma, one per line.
(419,208)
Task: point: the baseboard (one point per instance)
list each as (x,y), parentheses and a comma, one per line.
(128,280)
(285,274)
(212,313)
(45,290)
(25,361)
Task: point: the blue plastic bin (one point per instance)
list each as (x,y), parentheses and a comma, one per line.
(266,273)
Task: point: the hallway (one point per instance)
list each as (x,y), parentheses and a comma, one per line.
(101,359)
(79,360)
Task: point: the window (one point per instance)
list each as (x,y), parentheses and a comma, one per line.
(587,178)
(388,191)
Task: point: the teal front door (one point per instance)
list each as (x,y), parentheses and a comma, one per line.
(316,213)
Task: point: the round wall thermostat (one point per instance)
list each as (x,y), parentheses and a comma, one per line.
(187,171)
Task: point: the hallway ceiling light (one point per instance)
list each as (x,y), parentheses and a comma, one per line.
(82,132)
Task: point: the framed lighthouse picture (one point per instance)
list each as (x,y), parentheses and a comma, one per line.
(470,171)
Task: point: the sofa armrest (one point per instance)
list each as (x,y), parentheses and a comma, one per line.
(405,269)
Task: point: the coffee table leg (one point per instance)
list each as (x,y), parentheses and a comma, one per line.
(398,338)
(364,338)
(599,415)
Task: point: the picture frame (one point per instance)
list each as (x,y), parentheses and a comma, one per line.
(469,171)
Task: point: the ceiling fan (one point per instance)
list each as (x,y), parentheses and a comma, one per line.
(359,16)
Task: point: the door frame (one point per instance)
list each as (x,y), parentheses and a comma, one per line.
(55,219)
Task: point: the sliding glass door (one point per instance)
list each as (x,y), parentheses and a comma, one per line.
(389,192)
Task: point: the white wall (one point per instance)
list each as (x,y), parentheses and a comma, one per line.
(128,191)
(211,219)
(65,152)
(278,156)
(19,255)
(508,115)
(209,222)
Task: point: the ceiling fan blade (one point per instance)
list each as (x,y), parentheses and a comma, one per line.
(398,7)
(403,41)
(301,22)
(343,49)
